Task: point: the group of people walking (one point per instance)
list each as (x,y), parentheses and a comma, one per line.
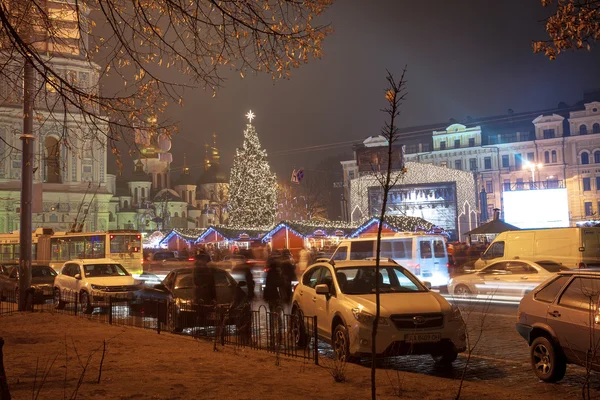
(281,271)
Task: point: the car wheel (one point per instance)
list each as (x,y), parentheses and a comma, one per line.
(58,303)
(84,300)
(462,291)
(547,361)
(298,328)
(446,357)
(341,344)
(173,323)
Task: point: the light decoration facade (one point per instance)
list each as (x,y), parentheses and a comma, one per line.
(421,175)
(398,224)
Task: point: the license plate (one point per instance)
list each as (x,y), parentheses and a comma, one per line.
(422,337)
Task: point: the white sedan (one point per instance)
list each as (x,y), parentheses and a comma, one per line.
(506,278)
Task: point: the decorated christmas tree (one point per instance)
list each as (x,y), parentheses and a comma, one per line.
(252,187)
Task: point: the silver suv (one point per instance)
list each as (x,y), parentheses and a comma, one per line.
(560,320)
(413,319)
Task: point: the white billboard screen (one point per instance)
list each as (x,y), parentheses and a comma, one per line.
(544,208)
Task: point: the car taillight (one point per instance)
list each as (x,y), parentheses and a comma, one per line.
(418,269)
(266,270)
(142,262)
(190,258)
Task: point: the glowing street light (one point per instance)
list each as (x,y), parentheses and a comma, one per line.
(532,167)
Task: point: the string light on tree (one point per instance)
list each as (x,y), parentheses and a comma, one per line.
(252,187)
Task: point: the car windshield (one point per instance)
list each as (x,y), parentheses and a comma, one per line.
(361,280)
(551,266)
(95,270)
(42,272)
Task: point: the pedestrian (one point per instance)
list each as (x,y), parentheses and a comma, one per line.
(204,284)
(271,293)
(250,285)
(288,274)
(202,258)
(303,261)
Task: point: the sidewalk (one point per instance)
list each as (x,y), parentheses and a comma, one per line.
(143,364)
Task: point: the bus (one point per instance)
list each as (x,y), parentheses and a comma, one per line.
(56,248)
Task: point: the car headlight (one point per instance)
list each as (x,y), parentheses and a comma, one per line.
(455,314)
(98,287)
(367,318)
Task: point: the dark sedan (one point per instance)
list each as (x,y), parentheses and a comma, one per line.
(42,278)
(192,297)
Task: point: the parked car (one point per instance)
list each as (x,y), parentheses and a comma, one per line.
(188,290)
(91,281)
(510,278)
(560,321)
(42,278)
(165,261)
(414,320)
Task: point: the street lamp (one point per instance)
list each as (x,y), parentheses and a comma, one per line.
(532,167)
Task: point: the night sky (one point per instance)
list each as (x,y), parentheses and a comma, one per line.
(465,58)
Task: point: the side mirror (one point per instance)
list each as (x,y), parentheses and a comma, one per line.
(582,249)
(427,284)
(160,286)
(77,276)
(242,284)
(322,289)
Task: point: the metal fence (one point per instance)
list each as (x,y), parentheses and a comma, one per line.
(276,332)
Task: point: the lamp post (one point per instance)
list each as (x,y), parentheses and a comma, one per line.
(532,167)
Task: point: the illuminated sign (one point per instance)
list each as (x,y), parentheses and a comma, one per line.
(530,209)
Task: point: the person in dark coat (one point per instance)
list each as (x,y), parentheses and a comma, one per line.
(249,279)
(203,257)
(205,288)
(272,284)
(288,274)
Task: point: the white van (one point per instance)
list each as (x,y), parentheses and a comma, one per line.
(571,247)
(423,254)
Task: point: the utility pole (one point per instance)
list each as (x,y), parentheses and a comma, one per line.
(25,232)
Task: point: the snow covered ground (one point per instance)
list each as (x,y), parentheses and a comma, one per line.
(141,364)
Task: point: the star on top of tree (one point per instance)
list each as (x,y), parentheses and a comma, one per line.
(250,116)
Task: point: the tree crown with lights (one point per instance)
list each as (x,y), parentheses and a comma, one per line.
(252,188)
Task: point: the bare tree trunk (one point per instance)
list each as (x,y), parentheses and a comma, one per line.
(394,95)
